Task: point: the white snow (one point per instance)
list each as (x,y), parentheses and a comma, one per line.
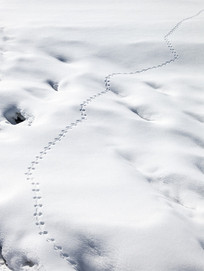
(119,185)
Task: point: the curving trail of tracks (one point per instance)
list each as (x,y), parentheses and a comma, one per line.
(37,197)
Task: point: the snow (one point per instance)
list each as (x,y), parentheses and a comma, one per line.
(114,182)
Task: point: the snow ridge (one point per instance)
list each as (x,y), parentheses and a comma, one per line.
(37,197)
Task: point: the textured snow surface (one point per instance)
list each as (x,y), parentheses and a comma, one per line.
(115,182)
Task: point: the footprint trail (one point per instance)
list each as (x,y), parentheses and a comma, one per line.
(37,196)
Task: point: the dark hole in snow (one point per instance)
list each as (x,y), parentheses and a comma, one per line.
(62,58)
(53,84)
(29,263)
(13,115)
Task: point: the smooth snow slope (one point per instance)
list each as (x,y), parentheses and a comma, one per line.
(124,189)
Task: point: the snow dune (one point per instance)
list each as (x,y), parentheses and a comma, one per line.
(98,177)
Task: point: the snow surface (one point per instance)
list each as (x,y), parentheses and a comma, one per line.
(119,185)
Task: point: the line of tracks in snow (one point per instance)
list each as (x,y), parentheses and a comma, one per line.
(37,196)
